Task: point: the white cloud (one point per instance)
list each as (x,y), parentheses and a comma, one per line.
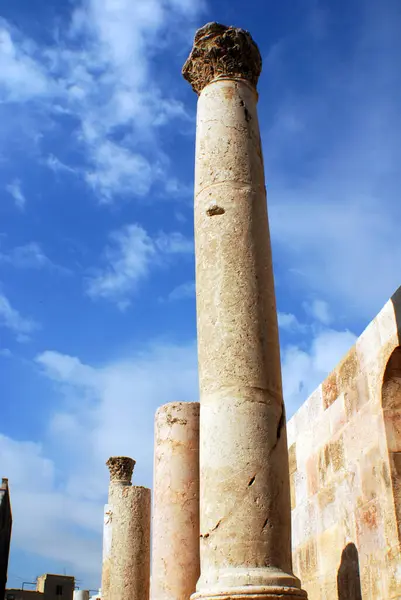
(14,189)
(29,256)
(334,250)
(100,71)
(129,257)
(97,416)
(174,243)
(289,322)
(21,76)
(182,291)
(117,170)
(14,321)
(305,367)
(57,166)
(44,513)
(100,400)
(319,310)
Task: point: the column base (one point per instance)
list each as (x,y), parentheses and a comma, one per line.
(250,592)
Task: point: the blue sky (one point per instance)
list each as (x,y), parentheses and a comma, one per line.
(97,309)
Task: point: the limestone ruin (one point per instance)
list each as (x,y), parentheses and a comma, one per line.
(345,449)
(126,535)
(226,482)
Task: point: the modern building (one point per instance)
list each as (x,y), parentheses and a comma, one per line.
(48,587)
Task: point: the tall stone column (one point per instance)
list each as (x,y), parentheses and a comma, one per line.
(175,546)
(245,514)
(126,545)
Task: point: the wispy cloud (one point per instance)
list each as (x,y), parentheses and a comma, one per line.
(100,72)
(289,322)
(30,256)
(174,243)
(318,310)
(10,318)
(97,416)
(129,258)
(57,166)
(44,512)
(117,170)
(100,417)
(182,291)
(15,190)
(306,365)
(332,151)
(22,77)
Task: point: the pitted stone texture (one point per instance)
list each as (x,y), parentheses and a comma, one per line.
(121,469)
(129,566)
(244,475)
(175,547)
(222,52)
(346,452)
(107,533)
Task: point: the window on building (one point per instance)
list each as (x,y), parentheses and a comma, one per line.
(59,590)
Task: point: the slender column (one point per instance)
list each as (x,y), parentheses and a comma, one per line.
(126,546)
(245,515)
(175,521)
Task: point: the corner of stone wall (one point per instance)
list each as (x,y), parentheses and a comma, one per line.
(339,470)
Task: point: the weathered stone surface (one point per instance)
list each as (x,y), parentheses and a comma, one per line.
(222,52)
(330,390)
(126,546)
(352,509)
(175,547)
(106,559)
(245,534)
(121,468)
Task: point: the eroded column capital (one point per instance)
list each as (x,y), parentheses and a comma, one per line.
(121,469)
(221,52)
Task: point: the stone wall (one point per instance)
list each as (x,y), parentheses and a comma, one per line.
(5,533)
(345,468)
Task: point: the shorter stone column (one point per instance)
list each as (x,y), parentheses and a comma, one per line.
(175,546)
(126,546)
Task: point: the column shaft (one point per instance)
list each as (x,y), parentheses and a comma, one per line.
(175,521)
(126,543)
(130,546)
(245,515)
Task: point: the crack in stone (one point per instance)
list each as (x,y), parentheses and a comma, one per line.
(280,427)
(206,535)
(252,481)
(264,524)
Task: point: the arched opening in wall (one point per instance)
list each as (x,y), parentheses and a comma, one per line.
(391,399)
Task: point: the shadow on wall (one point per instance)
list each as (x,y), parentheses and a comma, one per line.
(396,300)
(348,576)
